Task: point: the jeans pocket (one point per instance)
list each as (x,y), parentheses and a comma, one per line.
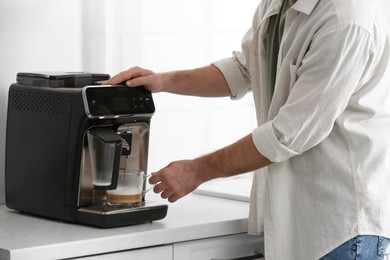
(382,246)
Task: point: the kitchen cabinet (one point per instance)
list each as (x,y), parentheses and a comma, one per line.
(226,247)
(159,252)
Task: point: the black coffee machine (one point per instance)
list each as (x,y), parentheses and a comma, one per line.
(49,168)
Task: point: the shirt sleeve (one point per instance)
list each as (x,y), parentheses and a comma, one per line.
(238,82)
(236,69)
(330,73)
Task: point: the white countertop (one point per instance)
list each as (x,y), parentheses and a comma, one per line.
(236,187)
(193,217)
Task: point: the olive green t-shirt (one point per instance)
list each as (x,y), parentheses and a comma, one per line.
(273,39)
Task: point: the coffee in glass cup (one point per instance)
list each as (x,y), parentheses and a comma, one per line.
(129,191)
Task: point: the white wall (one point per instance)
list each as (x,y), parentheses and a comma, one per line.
(34,36)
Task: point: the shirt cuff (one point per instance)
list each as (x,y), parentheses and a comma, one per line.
(234,77)
(268,144)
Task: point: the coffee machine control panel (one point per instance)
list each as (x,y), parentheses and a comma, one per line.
(117,101)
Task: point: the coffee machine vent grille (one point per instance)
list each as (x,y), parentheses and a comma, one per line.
(37,103)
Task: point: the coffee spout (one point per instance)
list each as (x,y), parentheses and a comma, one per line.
(126,146)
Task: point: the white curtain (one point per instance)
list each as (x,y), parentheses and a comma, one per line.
(162,34)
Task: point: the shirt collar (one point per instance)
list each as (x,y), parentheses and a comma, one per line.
(305,6)
(273,8)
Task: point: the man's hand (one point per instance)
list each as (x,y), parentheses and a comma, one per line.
(177,179)
(137,76)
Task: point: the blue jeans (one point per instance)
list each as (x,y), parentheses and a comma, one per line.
(360,248)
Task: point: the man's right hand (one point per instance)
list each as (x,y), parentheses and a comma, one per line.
(137,76)
(202,82)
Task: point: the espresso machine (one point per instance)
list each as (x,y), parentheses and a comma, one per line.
(69,139)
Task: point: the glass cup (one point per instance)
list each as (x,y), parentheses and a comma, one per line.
(129,191)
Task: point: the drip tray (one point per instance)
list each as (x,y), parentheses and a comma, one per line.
(105,216)
(105,209)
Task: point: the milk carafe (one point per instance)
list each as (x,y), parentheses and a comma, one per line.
(105,147)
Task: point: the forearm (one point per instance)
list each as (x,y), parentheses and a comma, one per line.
(240,157)
(204,82)
(182,177)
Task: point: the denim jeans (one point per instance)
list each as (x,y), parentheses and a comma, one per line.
(360,248)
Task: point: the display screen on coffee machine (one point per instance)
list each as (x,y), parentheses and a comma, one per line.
(116,101)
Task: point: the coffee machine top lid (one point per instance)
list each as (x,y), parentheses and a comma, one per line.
(60,79)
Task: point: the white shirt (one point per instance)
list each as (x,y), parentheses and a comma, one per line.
(326,128)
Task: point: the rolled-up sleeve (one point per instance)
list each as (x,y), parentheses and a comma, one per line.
(236,69)
(238,83)
(269,145)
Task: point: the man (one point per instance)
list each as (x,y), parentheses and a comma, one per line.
(320,75)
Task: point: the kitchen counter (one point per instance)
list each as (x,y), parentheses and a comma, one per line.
(193,217)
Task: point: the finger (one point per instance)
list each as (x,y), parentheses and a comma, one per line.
(126,75)
(158,188)
(121,77)
(138,81)
(174,198)
(154,179)
(166,194)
